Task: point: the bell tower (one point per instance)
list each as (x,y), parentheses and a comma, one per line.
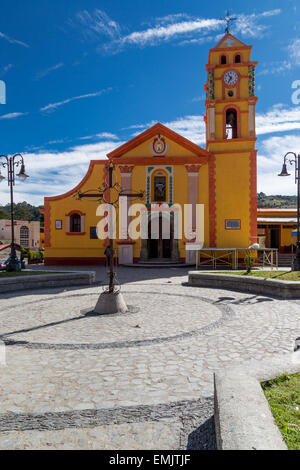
(230,138)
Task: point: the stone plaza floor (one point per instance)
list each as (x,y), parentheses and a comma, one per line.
(141,380)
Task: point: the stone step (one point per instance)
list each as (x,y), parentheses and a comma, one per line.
(157,264)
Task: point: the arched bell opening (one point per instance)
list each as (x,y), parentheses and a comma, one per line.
(231,124)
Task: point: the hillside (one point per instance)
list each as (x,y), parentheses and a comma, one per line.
(23,211)
(281,202)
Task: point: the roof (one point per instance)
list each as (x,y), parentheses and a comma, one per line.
(281,220)
(152,132)
(236,43)
(275,209)
(2,247)
(7,245)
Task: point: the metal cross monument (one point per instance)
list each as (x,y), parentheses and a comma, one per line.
(229,19)
(110,193)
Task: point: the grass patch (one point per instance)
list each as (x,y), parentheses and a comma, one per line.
(4,274)
(283,395)
(280,275)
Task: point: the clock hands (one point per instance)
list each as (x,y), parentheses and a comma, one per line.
(230,78)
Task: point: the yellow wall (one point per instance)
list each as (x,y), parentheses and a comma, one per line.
(144,150)
(215,55)
(286,236)
(232,199)
(63,245)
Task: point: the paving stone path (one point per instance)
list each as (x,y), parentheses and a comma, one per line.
(134,381)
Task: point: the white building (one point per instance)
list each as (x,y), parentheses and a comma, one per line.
(27,234)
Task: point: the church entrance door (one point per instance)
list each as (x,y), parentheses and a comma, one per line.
(159,242)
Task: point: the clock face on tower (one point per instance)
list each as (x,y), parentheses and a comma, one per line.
(231,78)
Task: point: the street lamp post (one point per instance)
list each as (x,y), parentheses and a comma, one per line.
(284,172)
(11,163)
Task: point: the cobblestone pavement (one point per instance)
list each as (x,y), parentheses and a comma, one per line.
(139,380)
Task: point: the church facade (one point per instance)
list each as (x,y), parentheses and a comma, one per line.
(173,172)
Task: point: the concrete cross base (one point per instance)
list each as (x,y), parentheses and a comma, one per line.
(110,302)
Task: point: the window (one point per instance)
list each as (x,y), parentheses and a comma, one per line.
(233,225)
(160,188)
(75,223)
(237,59)
(231,124)
(24,236)
(223,59)
(93,233)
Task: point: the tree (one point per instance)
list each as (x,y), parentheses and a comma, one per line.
(4,214)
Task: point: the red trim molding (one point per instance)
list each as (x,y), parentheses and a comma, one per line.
(126,169)
(163,161)
(212,202)
(193,168)
(47,210)
(253,193)
(75,212)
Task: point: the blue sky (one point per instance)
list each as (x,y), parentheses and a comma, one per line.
(84,76)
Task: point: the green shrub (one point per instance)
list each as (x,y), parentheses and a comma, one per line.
(249,262)
(35,257)
(24,252)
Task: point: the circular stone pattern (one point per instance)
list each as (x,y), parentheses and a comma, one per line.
(67,322)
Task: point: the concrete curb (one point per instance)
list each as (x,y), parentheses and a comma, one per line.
(243,418)
(254,285)
(68,278)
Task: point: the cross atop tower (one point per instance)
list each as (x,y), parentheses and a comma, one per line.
(229,19)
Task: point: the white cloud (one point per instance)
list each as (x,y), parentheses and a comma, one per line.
(278,119)
(197,99)
(270,160)
(95,24)
(186,29)
(152,35)
(52,173)
(54,106)
(275,12)
(46,72)
(13,41)
(101,135)
(12,115)
(294,51)
(250,26)
(199,41)
(6,68)
(277,67)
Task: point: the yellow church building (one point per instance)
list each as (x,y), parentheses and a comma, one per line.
(172,170)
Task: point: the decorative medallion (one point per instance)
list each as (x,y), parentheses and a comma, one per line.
(159,146)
